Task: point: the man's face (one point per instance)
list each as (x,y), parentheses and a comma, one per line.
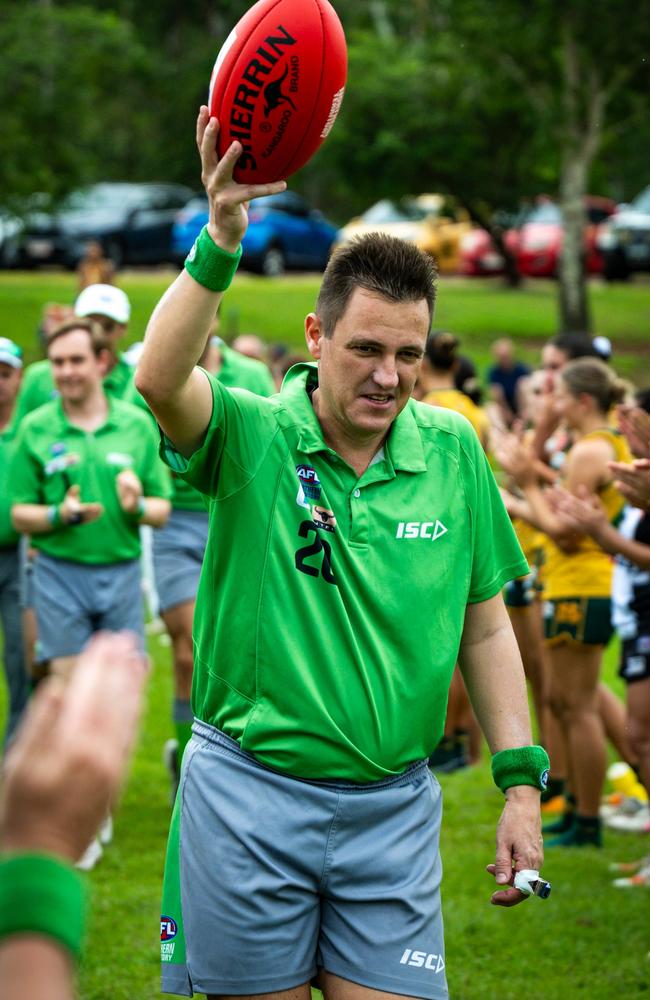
(9,383)
(553,361)
(113,331)
(76,369)
(567,406)
(368,367)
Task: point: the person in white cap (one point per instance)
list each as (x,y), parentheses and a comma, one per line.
(110,307)
(11,369)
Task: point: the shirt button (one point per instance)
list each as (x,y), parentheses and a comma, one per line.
(357,494)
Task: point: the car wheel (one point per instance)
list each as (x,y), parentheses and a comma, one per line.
(115,252)
(616,268)
(273,262)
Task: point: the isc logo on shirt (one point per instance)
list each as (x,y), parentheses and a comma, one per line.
(420,959)
(421,529)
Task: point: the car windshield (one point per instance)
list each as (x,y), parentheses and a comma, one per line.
(101,196)
(642,202)
(546,212)
(388,211)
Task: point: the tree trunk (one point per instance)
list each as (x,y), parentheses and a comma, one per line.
(575,316)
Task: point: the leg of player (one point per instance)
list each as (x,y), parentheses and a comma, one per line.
(575,668)
(178,622)
(298,993)
(335,988)
(613,716)
(638,713)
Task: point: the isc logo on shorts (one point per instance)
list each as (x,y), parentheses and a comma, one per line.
(420,959)
(421,529)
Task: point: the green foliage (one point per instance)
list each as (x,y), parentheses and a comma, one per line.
(64,77)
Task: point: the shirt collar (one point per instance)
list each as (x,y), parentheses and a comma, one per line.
(403,445)
(63,417)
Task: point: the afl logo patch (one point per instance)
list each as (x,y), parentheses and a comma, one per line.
(168,928)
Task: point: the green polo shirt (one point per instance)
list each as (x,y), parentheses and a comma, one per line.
(38,387)
(8,537)
(237,371)
(331,606)
(52,454)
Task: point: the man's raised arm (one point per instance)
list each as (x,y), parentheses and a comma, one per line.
(177,392)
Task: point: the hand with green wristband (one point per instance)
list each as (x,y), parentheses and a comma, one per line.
(63,771)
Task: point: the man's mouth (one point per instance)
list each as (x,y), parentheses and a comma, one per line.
(377,398)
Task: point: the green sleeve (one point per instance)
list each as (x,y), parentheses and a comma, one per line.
(36,389)
(496,553)
(241,428)
(26,476)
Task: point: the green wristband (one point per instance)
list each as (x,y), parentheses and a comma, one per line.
(521,766)
(211,266)
(54,516)
(42,895)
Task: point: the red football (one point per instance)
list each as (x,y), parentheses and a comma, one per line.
(277,86)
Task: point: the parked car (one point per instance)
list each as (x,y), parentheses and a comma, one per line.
(624,239)
(536,242)
(478,254)
(432,221)
(133,222)
(541,237)
(283,232)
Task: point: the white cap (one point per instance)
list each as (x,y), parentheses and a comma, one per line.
(10,353)
(604,346)
(103,300)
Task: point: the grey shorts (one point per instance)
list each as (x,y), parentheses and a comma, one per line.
(281,877)
(178,550)
(73,601)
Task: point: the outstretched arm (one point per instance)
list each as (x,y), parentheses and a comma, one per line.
(178,393)
(491,666)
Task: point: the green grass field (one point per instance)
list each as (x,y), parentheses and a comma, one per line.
(477,310)
(589,940)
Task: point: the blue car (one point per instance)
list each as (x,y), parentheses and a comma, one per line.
(283,232)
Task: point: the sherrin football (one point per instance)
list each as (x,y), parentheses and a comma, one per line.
(277,86)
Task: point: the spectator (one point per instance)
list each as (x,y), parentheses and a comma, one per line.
(577,582)
(504,377)
(94,268)
(110,308)
(252,346)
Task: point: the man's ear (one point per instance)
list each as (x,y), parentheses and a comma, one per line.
(104,360)
(313,335)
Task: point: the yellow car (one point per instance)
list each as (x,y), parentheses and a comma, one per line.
(432,221)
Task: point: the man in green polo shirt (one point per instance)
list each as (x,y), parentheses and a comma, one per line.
(110,308)
(11,367)
(357,549)
(84,476)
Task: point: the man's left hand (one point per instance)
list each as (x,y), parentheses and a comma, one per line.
(129,491)
(519,843)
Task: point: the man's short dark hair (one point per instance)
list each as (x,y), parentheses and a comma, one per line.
(96,334)
(574,345)
(381,264)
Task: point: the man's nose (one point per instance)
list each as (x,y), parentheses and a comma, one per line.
(385,373)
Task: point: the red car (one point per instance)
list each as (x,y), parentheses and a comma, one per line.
(478,254)
(537,243)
